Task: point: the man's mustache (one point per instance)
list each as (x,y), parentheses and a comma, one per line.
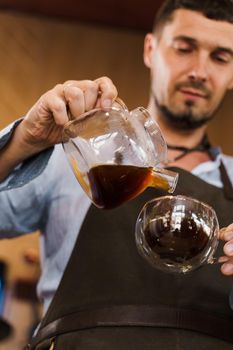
(197,85)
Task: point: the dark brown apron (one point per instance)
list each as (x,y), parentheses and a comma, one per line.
(110,298)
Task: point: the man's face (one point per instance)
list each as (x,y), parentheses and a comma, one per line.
(191,67)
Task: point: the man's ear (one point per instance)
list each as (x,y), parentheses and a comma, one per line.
(149,47)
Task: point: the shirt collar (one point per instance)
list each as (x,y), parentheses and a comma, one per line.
(210,165)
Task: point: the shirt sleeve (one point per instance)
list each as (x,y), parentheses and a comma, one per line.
(23,193)
(29,169)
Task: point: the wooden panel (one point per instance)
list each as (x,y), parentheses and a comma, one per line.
(13,252)
(21,54)
(36,53)
(125,13)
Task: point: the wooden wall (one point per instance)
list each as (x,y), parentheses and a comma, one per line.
(37,52)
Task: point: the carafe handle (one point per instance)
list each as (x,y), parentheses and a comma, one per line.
(118,102)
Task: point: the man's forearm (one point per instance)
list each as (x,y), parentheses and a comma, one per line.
(15,152)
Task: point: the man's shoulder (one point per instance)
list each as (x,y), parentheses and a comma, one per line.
(228,160)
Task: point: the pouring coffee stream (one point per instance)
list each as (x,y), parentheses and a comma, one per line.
(116,154)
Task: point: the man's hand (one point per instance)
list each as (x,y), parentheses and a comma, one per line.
(43,124)
(226,234)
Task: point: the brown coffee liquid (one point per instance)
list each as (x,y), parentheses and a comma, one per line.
(112,185)
(176,245)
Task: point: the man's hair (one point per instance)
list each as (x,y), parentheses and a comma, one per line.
(220,10)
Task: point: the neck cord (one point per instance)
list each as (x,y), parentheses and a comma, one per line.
(203,146)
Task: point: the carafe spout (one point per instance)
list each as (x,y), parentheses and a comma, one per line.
(165,179)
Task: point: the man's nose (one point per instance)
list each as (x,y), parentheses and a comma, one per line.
(199,69)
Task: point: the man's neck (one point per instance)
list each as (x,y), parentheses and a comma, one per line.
(183,138)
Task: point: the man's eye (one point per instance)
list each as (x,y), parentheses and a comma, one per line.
(221,58)
(184,49)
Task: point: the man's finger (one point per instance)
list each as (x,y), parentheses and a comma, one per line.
(227,268)
(108,91)
(51,104)
(226,233)
(75,100)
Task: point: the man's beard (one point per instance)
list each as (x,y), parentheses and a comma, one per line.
(186,120)
(182,121)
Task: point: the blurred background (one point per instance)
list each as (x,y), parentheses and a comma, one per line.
(43,43)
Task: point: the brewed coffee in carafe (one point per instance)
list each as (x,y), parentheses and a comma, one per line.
(112,185)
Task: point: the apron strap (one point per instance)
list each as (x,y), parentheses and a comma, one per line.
(227,185)
(138,316)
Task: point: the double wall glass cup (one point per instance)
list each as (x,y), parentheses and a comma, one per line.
(177,233)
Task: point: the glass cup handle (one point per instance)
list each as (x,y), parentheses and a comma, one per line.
(213,260)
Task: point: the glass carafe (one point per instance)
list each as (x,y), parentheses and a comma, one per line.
(116,154)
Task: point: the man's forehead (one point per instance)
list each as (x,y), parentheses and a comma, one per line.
(194,24)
